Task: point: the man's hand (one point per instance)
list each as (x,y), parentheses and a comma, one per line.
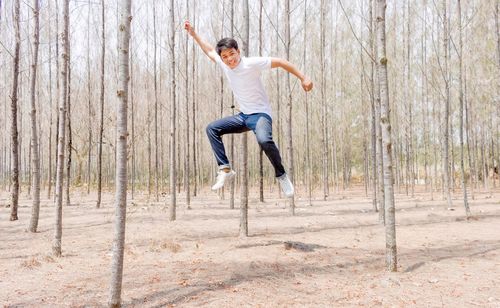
(206,47)
(307,84)
(189,28)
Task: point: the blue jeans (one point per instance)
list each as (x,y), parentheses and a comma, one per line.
(259,123)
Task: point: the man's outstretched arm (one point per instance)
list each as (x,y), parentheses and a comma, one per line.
(208,49)
(289,67)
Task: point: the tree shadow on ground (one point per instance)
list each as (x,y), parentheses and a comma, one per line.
(287,244)
(255,270)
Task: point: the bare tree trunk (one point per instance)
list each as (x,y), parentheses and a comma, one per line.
(378,126)
(193,115)
(101,100)
(186,109)
(278,82)
(56,244)
(58,90)
(173,119)
(497,28)
(34,133)
(89,103)
(261,165)
(244,136)
(289,105)
(390,222)
(13,130)
(461,99)
(70,136)
(49,176)
(446,157)
(231,144)
(323,103)
(132,115)
(121,158)
(373,110)
(308,166)
(155,123)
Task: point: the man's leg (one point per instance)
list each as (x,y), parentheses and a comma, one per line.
(215,130)
(262,126)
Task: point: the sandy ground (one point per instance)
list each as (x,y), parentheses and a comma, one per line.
(331,254)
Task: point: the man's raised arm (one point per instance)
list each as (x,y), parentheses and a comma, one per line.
(307,84)
(208,49)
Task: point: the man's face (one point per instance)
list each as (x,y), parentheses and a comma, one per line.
(230,57)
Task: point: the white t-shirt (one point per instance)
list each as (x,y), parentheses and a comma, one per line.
(246,84)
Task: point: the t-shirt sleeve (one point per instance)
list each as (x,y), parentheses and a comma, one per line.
(260,63)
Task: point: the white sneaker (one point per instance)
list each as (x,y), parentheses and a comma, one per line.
(286,185)
(222,177)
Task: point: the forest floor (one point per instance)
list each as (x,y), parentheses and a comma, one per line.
(330,254)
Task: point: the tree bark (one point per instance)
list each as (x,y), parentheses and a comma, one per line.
(13,129)
(390,223)
(173,119)
(461,101)
(244,136)
(101,101)
(187,158)
(373,109)
(56,244)
(89,104)
(446,157)
(261,165)
(34,133)
(121,155)
(324,139)
(289,134)
(70,135)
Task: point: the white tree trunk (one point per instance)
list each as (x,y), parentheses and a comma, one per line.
(121,154)
(244,136)
(173,119)
(34,134)
(56,244)
(390,221)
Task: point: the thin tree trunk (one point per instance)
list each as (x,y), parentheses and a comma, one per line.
(244,136)
(56,244)
(89,104)
(58,96)
(14,110)
(308,166)
(121,155)
(187,172)
(446,157)
(101,101)
(261,165)
(232,189)
(461,99)
(373,110)
(324,139)
(289,105)
(70,136)
(34,133)
(49,176)
(132,115)
(390,222)
(380,158)
(173,119)
(155,123)
(193,115)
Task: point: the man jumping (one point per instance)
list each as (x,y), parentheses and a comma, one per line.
(243,75)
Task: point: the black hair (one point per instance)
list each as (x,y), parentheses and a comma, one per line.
(226,43)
